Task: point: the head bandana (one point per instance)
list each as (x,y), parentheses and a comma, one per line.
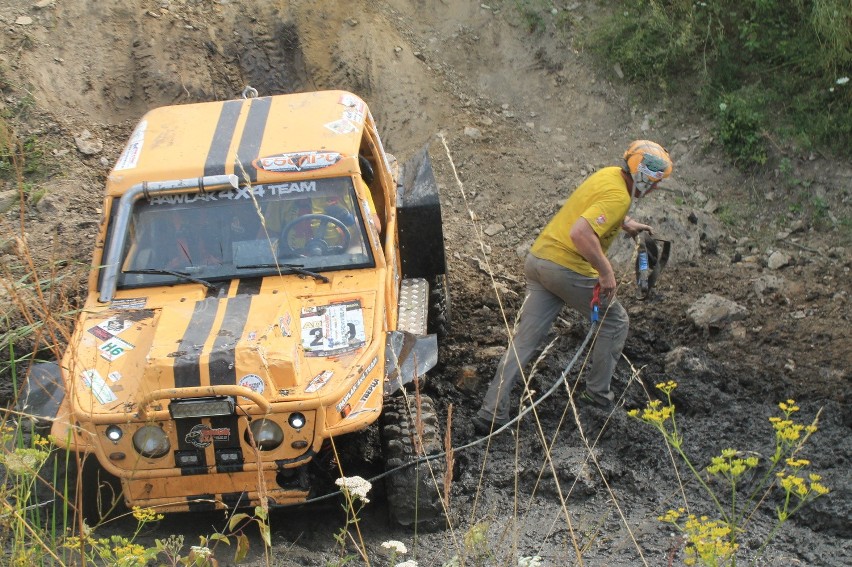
(650,171)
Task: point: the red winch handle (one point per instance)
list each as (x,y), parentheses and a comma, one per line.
(596,303)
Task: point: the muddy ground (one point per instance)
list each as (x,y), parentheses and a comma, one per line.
(523,119)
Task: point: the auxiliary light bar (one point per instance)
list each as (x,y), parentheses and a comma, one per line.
(202,407)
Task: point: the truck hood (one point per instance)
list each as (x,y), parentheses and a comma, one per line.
(273,344)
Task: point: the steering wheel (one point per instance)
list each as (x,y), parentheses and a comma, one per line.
(313,229)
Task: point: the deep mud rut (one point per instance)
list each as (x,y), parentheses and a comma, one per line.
(524,120)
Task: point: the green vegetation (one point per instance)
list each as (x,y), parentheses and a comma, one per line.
(770,72)
(22,162)
(542,18)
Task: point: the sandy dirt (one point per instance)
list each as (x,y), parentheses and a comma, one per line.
(514,122)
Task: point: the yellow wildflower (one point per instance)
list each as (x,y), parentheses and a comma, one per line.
(146,515)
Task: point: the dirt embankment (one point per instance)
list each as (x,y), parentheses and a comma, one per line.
(524,119)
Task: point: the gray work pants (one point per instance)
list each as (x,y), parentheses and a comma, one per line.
(550,287)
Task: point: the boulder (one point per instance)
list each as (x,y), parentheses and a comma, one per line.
(715,311)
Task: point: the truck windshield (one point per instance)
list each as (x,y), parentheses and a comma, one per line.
(245,232)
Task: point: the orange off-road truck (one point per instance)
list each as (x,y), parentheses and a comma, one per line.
(265,281)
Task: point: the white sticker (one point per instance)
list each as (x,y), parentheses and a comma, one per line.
(130,156)
(330,330)
(253,382)
(342,403)
(297,161)
(362,402)
(115,325)
(102,392)
(352,101)
(115,376)
(114,348)
(341,126)
(356,116)
(129,303)
(319,381)
(284,323)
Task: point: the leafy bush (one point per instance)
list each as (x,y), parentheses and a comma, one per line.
(740,132)
(791,56)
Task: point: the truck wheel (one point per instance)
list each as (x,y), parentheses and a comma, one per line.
(440,313)
(412,494)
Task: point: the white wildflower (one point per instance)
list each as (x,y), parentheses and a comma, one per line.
(395,546)
(356,486)
(534,561)
(842,80)
(23,462)
(198,551)
(409,563)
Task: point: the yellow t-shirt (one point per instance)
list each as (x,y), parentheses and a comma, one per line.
(603,201)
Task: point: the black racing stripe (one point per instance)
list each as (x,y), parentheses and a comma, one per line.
(186,368)
(231,422)
(252,136)
(249,286)
(234,499)
(222,364)
(207,503)
(222,136)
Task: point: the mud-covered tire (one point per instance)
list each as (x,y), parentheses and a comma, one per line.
(440,312)
(413,495)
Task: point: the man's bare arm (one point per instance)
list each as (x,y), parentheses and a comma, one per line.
(589,246)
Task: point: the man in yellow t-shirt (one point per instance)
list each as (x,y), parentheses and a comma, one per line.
(564,265)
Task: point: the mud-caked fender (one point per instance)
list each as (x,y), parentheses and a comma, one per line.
(43,392)
(408,356)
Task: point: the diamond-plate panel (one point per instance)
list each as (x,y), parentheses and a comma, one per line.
(413,305)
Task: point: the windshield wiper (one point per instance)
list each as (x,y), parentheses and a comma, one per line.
(295,268)
(164,272)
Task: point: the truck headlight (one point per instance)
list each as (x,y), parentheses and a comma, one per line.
(296,420)
(114,433)
(151,441)
(266,433)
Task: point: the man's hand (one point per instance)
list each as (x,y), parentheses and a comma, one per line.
(607,283)
(634,227)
